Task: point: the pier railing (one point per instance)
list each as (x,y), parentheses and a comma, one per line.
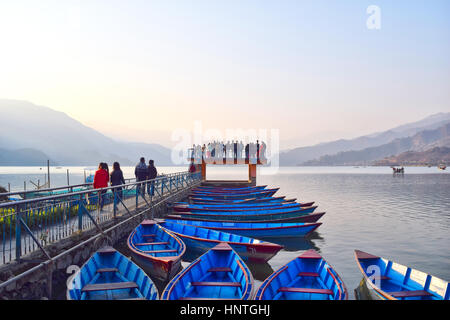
(46,192)
(31,224)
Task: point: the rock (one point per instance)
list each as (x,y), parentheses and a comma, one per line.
(85,253)
(11,287)
(76,258)
(5,275)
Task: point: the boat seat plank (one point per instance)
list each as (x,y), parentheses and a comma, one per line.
(305,290)
(220,269)
(414,293)
(102,270)
(150,243)
(216,284)
(160,251)
(149,235)
(308,274)
(109,286)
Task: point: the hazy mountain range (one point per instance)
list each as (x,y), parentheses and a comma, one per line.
(422,141)
(425,134)
(432,157)
(31,134)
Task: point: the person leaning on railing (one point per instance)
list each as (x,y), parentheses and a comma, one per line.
(101,179)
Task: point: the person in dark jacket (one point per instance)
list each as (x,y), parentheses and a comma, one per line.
(152,173)
(117,179)
(141,174)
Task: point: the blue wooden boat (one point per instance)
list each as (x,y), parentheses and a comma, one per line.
(256,230)
(200,200)
(234,196)
(303,218)
(234,192)
(226,189)
(156,249)
(186,207)
(198,240)
(219,274)
(307,277)
(388,280)
(108,275)
(259,215)
(238,209)
(230,192)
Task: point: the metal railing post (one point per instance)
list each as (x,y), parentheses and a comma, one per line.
(138,189)
(115,204)
(80,214)
(18,232)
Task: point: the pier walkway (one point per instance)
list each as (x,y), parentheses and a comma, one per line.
(31,224)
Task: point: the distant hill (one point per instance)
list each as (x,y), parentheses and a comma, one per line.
(24,157)
(432,157)
(300,155)
(421,141)
(24,125)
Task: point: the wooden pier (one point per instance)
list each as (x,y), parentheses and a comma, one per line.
(252,170)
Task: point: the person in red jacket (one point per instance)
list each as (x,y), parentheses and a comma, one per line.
(101,179)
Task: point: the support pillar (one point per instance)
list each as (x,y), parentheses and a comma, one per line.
(203,170)
(252,174)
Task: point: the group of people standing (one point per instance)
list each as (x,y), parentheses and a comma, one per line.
(398,170)
(142,172)
(230,150)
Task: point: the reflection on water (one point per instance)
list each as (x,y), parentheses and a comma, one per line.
(361,292)
(260,271)
(293,244)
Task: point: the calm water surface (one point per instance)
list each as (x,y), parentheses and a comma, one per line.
(403,218)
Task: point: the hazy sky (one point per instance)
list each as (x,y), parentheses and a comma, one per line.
(137,70)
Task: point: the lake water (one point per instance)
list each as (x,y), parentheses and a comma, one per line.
(403,218)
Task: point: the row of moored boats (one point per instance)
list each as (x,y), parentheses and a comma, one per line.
(225,226)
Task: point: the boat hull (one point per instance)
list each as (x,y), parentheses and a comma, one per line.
(219,274)
(200,240)
(307,218)
(225,208)
(199,200)
(307,277)
(159,269)
(226,196)
(108,275)
(258,230)
(164,266)
(266,215)
(388,280)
